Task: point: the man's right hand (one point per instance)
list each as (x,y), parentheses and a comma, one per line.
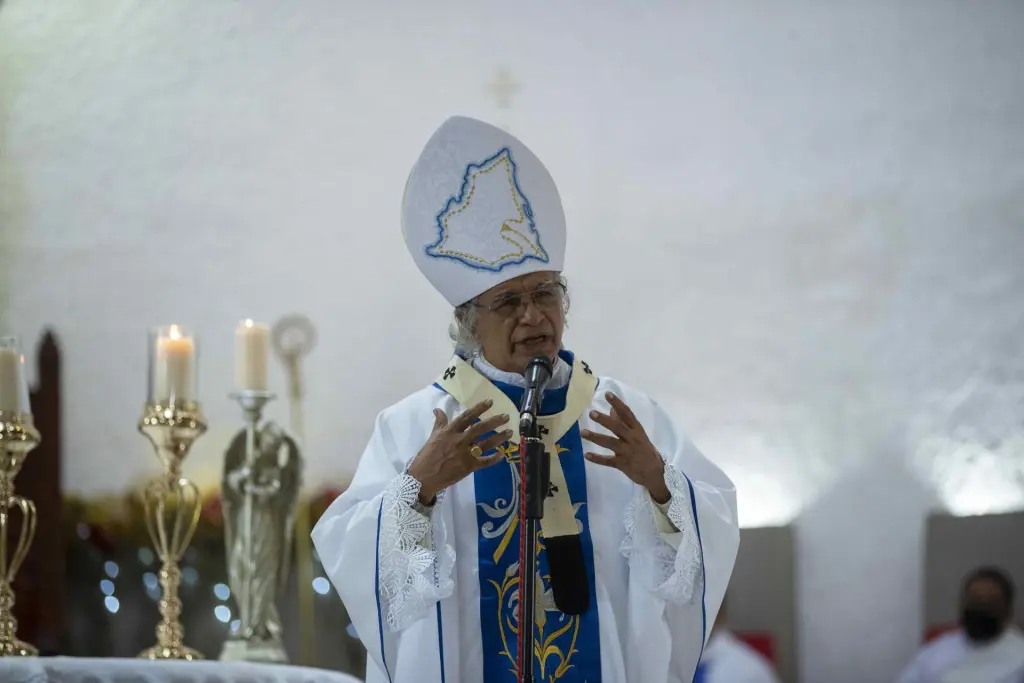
(449,456)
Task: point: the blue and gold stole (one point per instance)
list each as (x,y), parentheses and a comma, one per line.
(566,648)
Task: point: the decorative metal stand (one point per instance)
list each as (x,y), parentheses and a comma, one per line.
(260,489)
(294,337)
(172,505)
(18,436)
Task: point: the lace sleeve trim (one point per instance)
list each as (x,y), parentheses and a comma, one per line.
(412,577)
(672,575)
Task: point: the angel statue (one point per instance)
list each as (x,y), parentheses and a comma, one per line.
(258,537)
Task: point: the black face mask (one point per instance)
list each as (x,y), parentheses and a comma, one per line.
(980,624)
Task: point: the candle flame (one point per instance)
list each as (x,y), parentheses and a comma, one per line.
(248,322)
(174,332)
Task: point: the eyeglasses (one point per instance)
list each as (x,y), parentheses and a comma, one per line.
(547,297)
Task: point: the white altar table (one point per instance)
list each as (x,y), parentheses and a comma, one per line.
(109,670)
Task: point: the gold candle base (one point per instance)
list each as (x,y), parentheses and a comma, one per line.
(18,436)
(17,648)
(172,507)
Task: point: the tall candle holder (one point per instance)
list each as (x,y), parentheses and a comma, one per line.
(18,436)
(172,420)
(260,489)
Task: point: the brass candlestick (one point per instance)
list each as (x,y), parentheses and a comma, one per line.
(171,430)
(172,421)
(17,437)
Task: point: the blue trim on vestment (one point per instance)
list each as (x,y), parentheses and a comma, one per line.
(376,592)
(440,640)
(704,582)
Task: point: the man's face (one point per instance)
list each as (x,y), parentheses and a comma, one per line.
(985,613)
(520,319)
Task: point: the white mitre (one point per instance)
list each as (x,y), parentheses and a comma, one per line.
(480,209)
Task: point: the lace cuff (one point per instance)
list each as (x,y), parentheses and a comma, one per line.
(413,574)
(672,575)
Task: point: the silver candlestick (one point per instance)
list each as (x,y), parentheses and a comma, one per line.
(260,488)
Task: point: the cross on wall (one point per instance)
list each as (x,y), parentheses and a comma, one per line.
(503,87)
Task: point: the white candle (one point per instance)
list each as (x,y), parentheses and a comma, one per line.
(252,352)
(10,381)
(174,376)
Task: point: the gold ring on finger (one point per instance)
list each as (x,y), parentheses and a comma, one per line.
(476,451)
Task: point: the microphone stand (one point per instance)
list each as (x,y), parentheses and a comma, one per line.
(535,474)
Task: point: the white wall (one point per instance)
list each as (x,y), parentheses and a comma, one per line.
(800,226)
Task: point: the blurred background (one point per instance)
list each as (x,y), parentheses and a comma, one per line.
(798,225)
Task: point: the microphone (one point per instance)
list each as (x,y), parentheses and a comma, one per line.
(570,585)
(538,374)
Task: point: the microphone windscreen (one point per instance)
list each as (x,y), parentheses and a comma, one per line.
(569,584)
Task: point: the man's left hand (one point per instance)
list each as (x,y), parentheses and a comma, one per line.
(633,453)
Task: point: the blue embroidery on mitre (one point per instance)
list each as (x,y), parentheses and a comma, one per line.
(489,224)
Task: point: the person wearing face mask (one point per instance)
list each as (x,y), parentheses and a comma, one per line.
(987,648)
(639,530)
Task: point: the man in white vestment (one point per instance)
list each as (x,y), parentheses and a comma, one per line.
(727,659)
(987,648)
(639,533)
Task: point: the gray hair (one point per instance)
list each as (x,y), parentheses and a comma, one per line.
(462,330)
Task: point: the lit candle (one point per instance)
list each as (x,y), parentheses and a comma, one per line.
(10,380)
(174,369)
(252,351)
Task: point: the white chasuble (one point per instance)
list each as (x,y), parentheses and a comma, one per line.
(434,598)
